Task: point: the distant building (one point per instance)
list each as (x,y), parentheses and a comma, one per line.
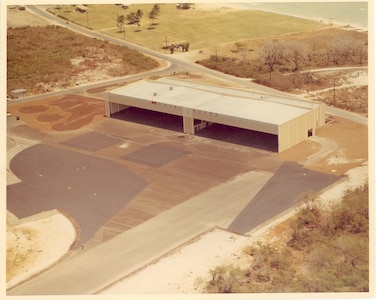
(18,93)
(288,121)
(81,8)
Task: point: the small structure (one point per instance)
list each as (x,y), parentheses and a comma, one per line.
(18,93)
(81,8)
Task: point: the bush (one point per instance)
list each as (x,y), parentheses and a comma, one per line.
(224,279)
(351,215)
(231,66)
(328,252)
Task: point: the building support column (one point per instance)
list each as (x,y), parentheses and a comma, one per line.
(188,125)
(107,106)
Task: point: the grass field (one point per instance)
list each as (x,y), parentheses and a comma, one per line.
(201,28)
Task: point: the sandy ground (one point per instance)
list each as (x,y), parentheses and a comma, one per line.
(21,18)
(49,237)
(36,243)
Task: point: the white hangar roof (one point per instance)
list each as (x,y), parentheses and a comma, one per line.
(217,100)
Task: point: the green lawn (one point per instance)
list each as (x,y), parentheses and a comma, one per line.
(202,29)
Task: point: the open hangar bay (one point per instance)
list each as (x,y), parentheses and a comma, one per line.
(289,121)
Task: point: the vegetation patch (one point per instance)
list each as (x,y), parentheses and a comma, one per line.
(42,59)
(326,252)
(289,63)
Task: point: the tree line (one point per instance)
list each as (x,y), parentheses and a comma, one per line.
(292,55)
(134,17)
(289,56)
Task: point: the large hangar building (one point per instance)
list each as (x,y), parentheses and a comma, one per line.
(291,121)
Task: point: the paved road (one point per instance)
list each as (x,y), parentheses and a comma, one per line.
(281,192)
(346,115)
(175,64)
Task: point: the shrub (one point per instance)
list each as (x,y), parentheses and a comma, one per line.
(351,215)
(224,279)
(43,54)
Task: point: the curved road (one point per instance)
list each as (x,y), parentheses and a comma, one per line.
(177,65)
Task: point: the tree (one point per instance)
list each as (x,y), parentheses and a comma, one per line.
(184,47)
(134,17)
(342,50)
(154,13)
(139,13)
(361,52)
(296,53)
(120,22)
(172,49)
(273,54)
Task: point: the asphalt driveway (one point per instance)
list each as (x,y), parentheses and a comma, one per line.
(282,191)
(90,189)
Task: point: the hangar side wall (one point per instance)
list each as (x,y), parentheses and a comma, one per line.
(297,130)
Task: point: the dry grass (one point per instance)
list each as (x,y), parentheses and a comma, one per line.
(201,28)
(41,59)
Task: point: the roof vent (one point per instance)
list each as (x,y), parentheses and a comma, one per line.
(171,88)
(154,94)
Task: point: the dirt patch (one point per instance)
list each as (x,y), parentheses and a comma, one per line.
(33,109)
(73,123)
(63,113)
(350,151)
(299,152)
(49,118)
